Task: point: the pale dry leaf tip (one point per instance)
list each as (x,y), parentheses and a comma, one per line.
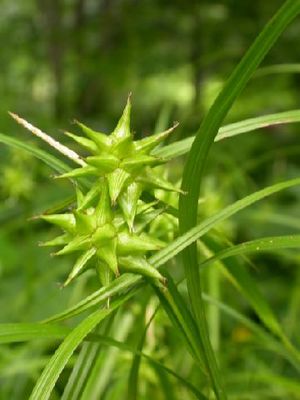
(48,139)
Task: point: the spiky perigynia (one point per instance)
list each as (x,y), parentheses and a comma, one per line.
(127,164)
(107,227)
(102,237)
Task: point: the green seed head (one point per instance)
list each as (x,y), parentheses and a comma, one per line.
(108,227)
(123,162)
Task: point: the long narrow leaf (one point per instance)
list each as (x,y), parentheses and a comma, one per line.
(47,158)
(254,246)
(196,162)
(51,373)
(19,332)
(264,338)
(100,296)
(126,281)
(195,233)
(248,125)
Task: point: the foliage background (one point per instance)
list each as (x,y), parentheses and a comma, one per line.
(66,59)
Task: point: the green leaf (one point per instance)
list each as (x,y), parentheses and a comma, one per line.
(181,317)
(42,155)
(240,277)
(264,338)
(196,162)
(107,360)
(20,332)
(170,251)
(133,378)
(248,125)
(100,296)
(195,233)
(85,363)
(59,360)
(254,246)
(278,69)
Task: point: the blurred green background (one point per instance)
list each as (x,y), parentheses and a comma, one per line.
(66,59)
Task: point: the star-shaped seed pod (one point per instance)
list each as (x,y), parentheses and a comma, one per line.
(127,164)
(107,226)
(103,239)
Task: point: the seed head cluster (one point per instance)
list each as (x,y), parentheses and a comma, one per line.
(106,228)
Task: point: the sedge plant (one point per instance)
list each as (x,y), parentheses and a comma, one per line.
(122,227)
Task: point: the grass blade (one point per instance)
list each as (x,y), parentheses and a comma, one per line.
(102,371)
(188,205)
(42,155)
(240,277)
(51,373)
(264,338)
(20,332)
(99,297)
(125,347)
(264,244)
(278,69)
(126,281)
(195,233)
(248,125)
(84,364)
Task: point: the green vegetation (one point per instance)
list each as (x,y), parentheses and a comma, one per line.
(178,276)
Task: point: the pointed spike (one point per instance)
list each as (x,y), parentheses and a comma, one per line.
(84,142)
(152,180)
(133,244)
(128,201)
(62,205)
(105,274)
(104,235)
(123,127)
(149,143)
(85,224)
(77,244)
(147,218)
(64,221)
(140,266)
(79,265)
(140,160)
(103,211)
(77,172)
(58,241)
(144,207)
(104,164)
(99,138)
(89,197)
(108,254)
(79,195)
(123,147)
(116,183)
